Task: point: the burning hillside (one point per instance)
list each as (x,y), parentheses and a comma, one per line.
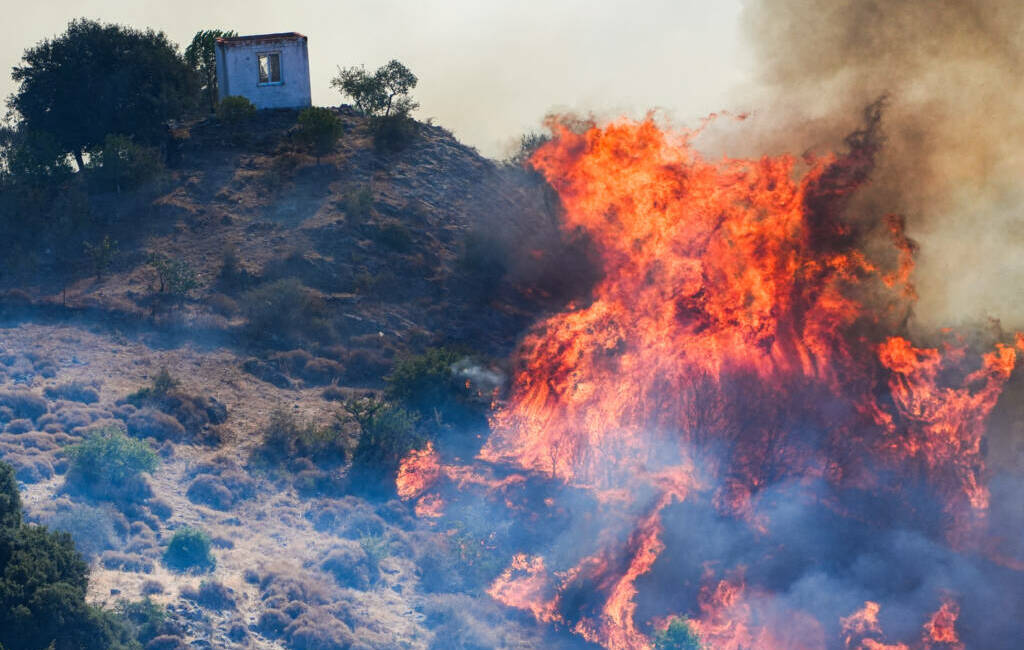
(737,428)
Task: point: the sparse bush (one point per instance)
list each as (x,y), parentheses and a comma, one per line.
(319,129)
(678,635)
(189,550)
(387,434)
(152,588)
(284,312)
(101,255)
(289,437)
(528,144)
(235,109)
(110,463)
(176,276)
(359,202)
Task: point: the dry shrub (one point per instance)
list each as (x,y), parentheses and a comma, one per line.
(23,404)
(166,642)
(223,305)
(73,392)
(130,562)
(211,595)
(318,629)
(208,490)
(30,466)
(350,565)
(20,425)
(294,584)
(152,587)
(155,424)
(93,529)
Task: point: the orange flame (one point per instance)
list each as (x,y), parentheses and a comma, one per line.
(733,304)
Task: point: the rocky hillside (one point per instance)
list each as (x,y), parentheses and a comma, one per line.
(252,299)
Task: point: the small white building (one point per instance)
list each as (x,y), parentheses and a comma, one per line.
(270,70)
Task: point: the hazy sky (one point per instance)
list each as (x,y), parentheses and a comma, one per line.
(488,70)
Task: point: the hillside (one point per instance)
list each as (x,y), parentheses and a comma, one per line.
(311,282)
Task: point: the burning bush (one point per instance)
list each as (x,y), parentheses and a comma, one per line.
(386,434)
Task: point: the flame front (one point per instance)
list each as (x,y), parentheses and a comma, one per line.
(739,337)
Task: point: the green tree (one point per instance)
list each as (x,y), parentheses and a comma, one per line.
(33,157)
(320,129)
(43,582)
(96,79)
(385,93)
(122,163)
(679,635)
(10,498)
(176,276)
(101,255)
(201,56)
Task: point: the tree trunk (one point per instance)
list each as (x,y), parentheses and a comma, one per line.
(78,160)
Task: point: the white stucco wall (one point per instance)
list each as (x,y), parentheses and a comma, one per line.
(238,74)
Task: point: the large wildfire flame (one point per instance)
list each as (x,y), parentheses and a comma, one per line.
(740,337)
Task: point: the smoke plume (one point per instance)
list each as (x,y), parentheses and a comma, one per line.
(954,126)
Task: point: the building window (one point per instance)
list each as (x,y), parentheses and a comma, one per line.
(269,67)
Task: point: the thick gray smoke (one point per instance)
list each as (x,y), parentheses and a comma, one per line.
(954,126)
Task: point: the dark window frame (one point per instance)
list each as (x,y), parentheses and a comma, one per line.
(269,80)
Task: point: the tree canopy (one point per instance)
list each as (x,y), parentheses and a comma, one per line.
(385,93)
(43,581)
(201,56)
(96,79)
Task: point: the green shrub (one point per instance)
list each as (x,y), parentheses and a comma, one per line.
(386,434)
(679,635)
(143,617)
(359,202)
(176,276)
(235,109)
(319,129)
(101,255)
(108,460)
(288,436)
(189,550)
(121,164)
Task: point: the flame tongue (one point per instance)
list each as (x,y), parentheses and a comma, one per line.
(729,333)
